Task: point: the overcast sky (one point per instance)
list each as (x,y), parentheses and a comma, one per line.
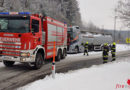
(100,12)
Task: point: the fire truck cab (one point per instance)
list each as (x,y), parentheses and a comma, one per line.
(29,38)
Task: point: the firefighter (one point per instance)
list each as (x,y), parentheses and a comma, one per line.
(113,51)
(86,48)
(105,53)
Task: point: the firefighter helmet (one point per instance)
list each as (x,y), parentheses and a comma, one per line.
(105,44)
(114,43)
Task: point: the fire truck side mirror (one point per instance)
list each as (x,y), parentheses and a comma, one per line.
(32,30)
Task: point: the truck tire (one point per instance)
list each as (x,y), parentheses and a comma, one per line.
(64,54)
(38,61)
(8,63)
(58,57)
(76,50)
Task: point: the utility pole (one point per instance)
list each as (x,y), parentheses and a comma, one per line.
(115,18)
(103,33)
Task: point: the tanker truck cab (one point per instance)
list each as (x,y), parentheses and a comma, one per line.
(21,38)
(74,40)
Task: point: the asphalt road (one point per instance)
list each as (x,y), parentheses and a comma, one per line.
(21,74)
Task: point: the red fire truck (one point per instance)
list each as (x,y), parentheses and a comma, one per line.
(29,38)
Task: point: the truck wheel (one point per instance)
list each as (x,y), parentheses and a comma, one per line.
(76,50)
(8,63)
(38,61)
(64,54)
(58,57)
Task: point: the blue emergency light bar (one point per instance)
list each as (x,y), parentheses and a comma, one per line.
(22,13)
(14,13)
(4,13)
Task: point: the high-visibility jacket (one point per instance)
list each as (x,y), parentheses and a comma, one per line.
(113,52)
(113,49)
(105,52)
(86,46)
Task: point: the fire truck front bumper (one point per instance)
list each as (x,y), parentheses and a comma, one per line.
(18,59)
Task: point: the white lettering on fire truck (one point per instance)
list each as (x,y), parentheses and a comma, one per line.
(8,35)
(5,39)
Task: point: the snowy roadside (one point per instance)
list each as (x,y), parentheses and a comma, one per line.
(103,77)
(122,47)
(119,48)
(1,64)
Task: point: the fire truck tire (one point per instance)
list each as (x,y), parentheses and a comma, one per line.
(58,57)
(38,61)
(63,54)
(8,63)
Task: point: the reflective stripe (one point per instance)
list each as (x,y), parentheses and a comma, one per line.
(25,46)
(105,56)
(29,45)
(105,60)
(113,48)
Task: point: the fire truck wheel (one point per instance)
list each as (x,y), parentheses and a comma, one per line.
(8,63)
(64,54)
(38,61)
(58,57)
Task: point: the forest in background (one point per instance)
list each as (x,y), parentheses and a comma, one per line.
(62,10)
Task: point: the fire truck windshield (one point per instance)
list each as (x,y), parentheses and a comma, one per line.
(16,25)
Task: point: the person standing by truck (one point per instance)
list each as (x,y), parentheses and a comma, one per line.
(113,51)
(86,48)
(105,53)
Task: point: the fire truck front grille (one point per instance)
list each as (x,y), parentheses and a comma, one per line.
(10,48)
(14,53)
(10,45)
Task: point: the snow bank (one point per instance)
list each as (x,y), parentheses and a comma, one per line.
(81,54)
(1,64)
(119,47)
(122,47)
(103,77)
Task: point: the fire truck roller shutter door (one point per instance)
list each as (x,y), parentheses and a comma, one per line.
(43,38)
(51,38)
(59,36)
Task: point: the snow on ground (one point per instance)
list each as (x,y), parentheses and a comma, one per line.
(123,47)
(1,64)
(103,77)
(119,47)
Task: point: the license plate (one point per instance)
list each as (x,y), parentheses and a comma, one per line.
(6,58)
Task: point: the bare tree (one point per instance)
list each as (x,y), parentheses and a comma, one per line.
(123,10)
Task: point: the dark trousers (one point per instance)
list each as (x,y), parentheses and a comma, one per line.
(105,58)
(113,57)
(86,51)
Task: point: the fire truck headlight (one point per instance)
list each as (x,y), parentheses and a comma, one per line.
(25,54)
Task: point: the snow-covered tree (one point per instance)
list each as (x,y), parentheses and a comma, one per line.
(63,10)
